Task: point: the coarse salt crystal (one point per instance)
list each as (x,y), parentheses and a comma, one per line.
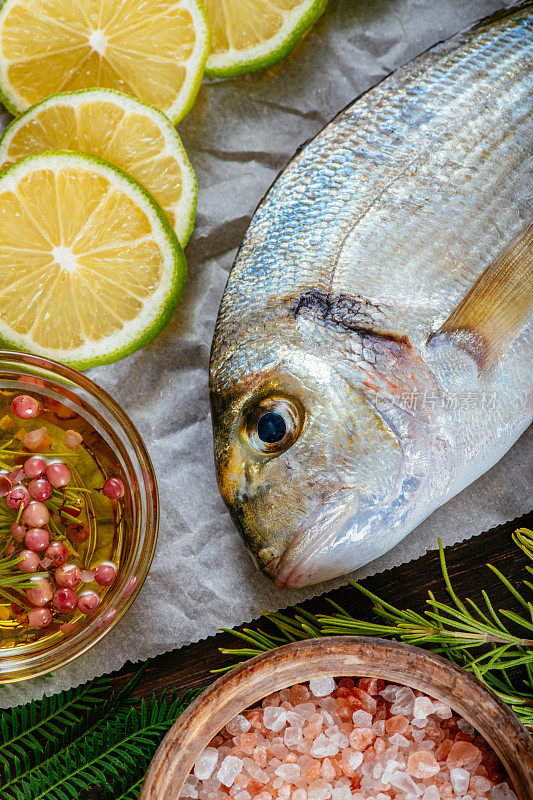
(254,770)
(229,769)
(289,772)
(299,794)
(322,747)
(399,740)
(274,718)
(320,687)
(404,702)
(362,719)
(461,754)
(431,793)
(442,711)
(238,724)
(295,720)
(479,784)
(206,763)
(352,758)
(460,779)
(188,792)
(391,767)
(502,792)
(319,789)
(342,793)
(306,710)
(389,692)
(423,707)
(292,736)
(466,727)
(338,738)
(422,764)
(400,780)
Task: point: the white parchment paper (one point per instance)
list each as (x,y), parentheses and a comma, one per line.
(239,135)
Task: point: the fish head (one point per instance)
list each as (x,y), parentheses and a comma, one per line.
(314,475)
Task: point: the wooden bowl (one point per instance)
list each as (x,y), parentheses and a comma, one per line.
(338,656)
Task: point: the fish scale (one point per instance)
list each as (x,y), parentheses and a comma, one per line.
(334,315)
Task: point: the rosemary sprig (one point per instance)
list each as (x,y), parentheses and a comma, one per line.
(12,578)
(474,636)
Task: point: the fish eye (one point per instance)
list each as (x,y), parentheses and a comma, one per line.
(272,425)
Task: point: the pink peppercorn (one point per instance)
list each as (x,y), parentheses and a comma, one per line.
(65,601)
(24,406)
(77,533)
(67,576)
(105,574)
(88,601)
(40,489)
(17,496)
(40,618)
(37,539)
(41,594)
(113,488)
(35,515)
(57,553)
(58,474)
(30,561)
(35,467)
(18,532)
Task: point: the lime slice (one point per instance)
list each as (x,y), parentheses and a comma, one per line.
(90,268)
(252,34)
(153,50)
(122,130)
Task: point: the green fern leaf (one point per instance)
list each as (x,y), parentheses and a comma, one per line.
(57,721)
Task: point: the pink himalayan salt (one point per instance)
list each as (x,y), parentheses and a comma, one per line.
(396,724)
(422,764)
(462,753)
(298,694)
(361,738)
(259,763)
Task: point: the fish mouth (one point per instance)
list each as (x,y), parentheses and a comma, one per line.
(299,564)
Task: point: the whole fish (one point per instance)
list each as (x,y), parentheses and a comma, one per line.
(372,354)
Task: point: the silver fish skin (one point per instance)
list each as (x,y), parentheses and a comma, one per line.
(339,425)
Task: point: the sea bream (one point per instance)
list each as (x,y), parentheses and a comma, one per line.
(373,350)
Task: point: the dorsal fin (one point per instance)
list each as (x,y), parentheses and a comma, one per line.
(497,306)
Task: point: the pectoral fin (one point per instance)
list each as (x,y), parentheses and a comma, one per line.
(497,307)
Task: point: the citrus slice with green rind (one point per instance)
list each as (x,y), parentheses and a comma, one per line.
(247,35)
(120,129)
(153,50)
(90,268)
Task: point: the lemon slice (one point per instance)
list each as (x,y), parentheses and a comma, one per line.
(252,34)
(153,50)
(122,130)
(90,268)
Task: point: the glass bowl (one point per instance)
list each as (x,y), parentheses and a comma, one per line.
(74,393)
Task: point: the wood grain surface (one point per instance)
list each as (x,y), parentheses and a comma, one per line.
(405,586)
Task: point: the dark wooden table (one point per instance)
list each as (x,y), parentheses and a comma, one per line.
(405,586)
